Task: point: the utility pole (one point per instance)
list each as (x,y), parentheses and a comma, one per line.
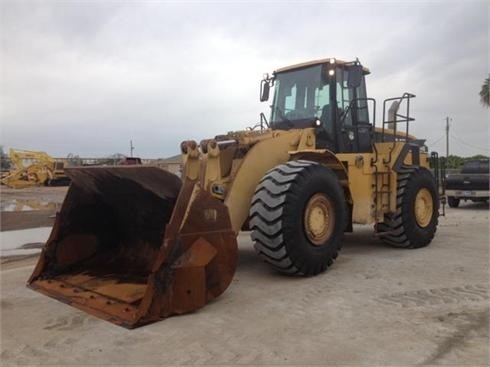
(131,147)
(447,137)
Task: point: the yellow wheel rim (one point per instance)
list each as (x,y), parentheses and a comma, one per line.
(319,219)
(424,207)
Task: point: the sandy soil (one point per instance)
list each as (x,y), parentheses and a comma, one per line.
(376,306)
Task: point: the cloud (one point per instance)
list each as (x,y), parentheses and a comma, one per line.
(86,77)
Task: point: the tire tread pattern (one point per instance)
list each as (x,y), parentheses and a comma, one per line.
(392,230)
(266,217)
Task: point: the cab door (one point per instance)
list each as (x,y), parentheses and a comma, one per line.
(354,131)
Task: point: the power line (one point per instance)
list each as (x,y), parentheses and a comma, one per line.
(461,141)
(437,140)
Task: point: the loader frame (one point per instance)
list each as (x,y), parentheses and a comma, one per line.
(134,245)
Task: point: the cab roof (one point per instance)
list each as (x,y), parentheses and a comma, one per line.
(317,62)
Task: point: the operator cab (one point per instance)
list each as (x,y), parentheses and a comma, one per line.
(329,95)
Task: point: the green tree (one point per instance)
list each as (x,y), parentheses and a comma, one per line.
(485,93)
(475,157)
(454,161)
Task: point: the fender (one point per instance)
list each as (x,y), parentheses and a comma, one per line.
(263,156)
(329,159)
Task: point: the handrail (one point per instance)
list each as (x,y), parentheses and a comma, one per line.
(403,118)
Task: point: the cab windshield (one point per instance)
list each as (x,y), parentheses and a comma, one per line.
(301,96)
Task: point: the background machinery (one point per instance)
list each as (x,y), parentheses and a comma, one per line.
(34,168)
(135,244)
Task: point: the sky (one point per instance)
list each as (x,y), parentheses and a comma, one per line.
(86,77)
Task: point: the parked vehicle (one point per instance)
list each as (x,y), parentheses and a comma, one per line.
(130,161)
(470,184)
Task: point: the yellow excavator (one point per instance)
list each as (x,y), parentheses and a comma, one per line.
(34,168)
(137,244)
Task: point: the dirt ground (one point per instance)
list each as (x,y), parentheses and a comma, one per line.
(376,306)
(29,207)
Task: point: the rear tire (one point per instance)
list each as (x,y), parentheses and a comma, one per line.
(298,216)
(452,202)
(414,223)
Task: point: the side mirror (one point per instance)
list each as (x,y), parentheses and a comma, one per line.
(264,90)
(355,76)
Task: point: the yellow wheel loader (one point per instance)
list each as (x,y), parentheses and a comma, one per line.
(134,245)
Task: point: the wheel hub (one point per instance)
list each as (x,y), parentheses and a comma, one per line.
(319,219)
(424,207)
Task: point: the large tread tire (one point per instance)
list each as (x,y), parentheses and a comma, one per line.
(277,217)
(401,229)
(452,202)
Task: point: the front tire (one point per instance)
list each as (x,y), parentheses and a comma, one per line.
(414,223)
(298,216)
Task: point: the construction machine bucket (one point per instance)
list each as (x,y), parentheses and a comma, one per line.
(134,245)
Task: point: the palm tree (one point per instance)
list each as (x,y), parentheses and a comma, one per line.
(484,93)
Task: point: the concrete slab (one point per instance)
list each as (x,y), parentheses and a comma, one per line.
(376,306)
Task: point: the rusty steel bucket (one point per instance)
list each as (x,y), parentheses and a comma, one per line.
(134,245)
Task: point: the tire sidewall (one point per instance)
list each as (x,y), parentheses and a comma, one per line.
(318,179)
(416,234)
